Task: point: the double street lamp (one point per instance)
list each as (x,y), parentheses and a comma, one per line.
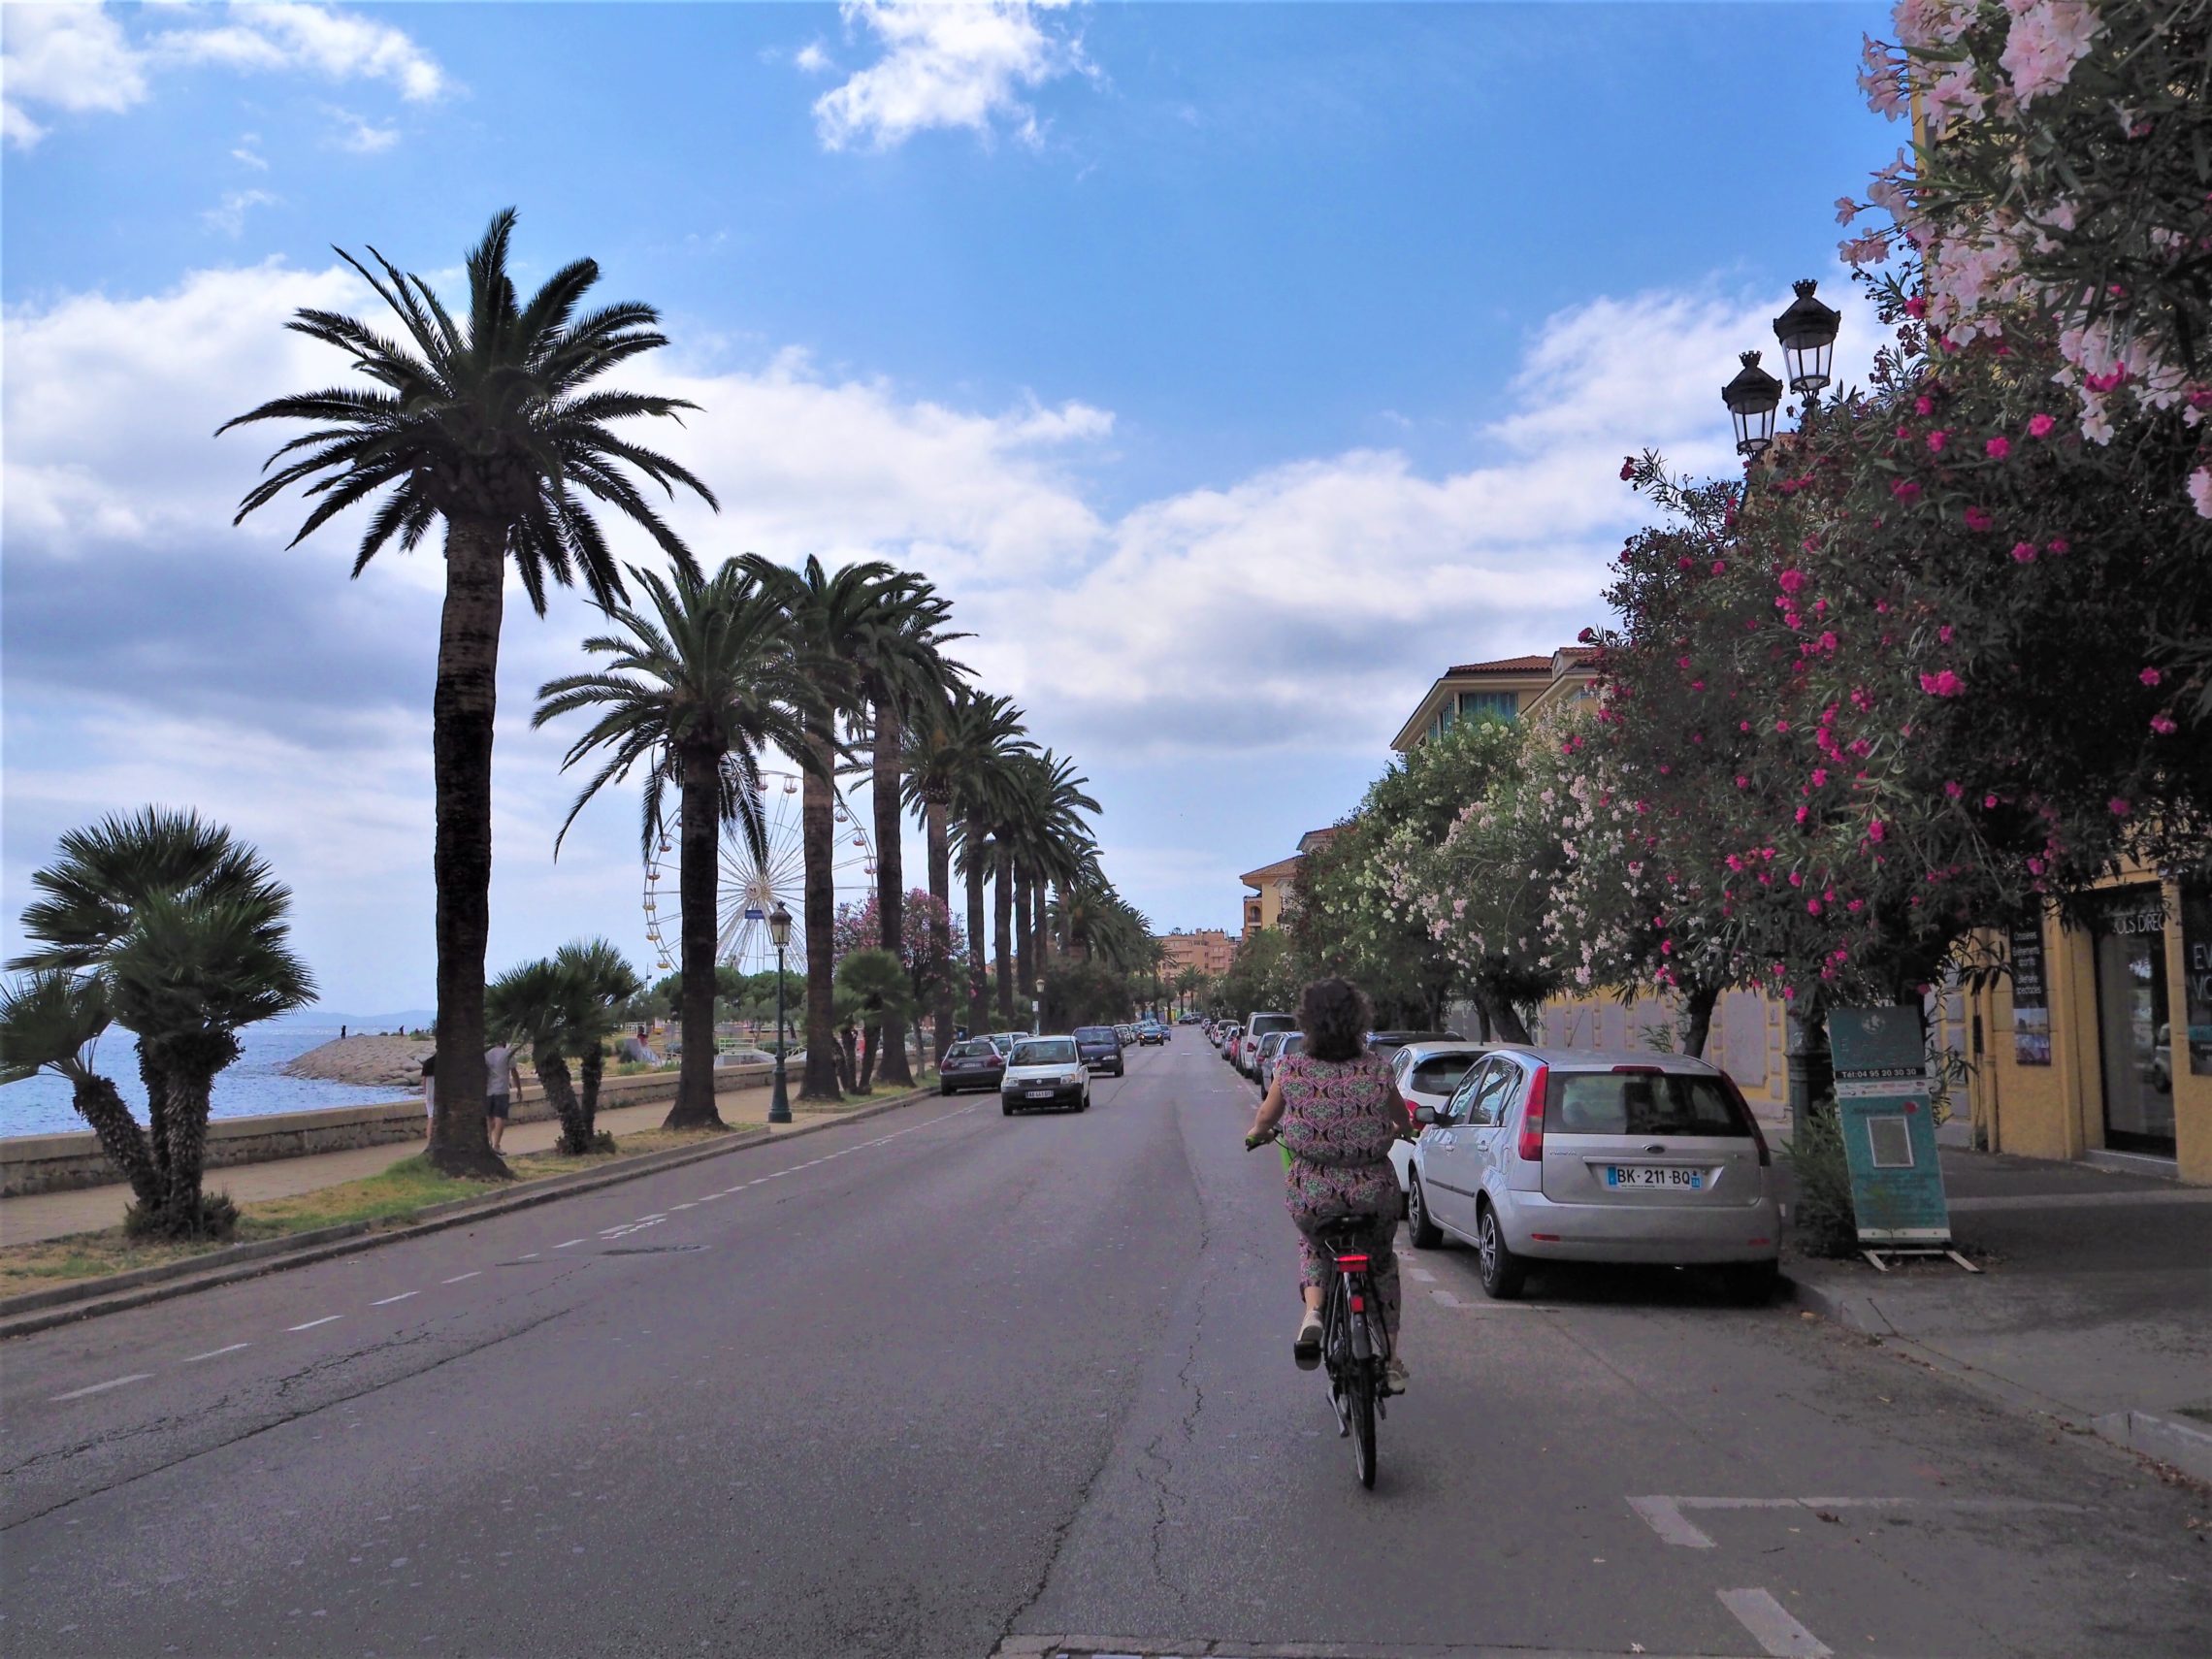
(1806,332)
(779,1097)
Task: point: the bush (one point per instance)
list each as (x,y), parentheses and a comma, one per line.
(215,1218)
(1823,1216)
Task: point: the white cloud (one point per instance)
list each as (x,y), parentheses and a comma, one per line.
(80,57)
(1177,649)
(229,215)
(811,59)
(946,63)
(362,136)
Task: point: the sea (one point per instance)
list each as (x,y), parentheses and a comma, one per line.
(252,1087)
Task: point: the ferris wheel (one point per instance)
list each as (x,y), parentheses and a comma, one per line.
(749,889)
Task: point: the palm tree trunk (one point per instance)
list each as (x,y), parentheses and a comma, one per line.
(462,706)
(561,1094)
(156,1116)
(190,1063)
(699,880)
(873,1032)
(941,889)
(891,880)
(591,1067)
(1024,953)
(816,842)
(99,1104)
(1002,933)
(1037,894)
(979,990)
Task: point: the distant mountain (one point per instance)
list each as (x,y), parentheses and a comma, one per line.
(405,1020)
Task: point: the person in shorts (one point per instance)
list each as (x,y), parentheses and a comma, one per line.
(500,1080)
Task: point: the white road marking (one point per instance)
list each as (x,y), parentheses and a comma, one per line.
(389,1300)
(1771,1625)
(683,1205)
(1422,1274)
(101,1388)
(1446,1299)
(1665,1518)
(1664,1513)
(216,1352)
(458,1277)
(567,1244)
(311,1323)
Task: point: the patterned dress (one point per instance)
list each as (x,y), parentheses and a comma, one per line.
(1339,1119)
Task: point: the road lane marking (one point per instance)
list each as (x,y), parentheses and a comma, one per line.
(528,1255)
(311,1323)
(1665,1518)
(100,1387)
(567,1244)
(1446,1299)
(216,1352)
(683,1205)
(387,1301)
(458,1277)
(1663,1514)
(1422,1274)
(1771,1625)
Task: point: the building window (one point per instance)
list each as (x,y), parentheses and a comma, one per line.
(1500,707)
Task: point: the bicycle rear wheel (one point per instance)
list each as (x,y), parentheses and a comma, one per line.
(1359,1405)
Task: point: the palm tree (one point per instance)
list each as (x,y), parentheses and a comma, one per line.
(983,789)
(696,682)
(943,741)
(529,1006)
(484,423)
(1052,843)
(841,623)
(48,1021)
(902,667)
(604,982)
(876,982)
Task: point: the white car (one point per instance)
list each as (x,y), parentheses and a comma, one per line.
(1258,1024)
(1427,1073)
(1552,1154)
(1045,1073)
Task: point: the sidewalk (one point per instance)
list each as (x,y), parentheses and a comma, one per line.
(2093,1305)
(53,1215)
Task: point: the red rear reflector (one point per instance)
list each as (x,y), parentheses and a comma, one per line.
(1531,1147)
(1359,1304)
(1545,1238)
(1352,1264)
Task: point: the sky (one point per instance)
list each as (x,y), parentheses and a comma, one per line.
(1234,369)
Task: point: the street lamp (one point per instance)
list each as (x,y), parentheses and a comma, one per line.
(1752,398)
(1038,1018)
(1807,333)
(779,1097)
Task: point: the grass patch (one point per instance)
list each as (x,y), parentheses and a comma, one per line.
(389,1199)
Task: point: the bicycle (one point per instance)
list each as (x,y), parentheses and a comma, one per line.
(1355,1342)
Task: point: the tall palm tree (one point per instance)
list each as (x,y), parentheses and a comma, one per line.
(484,423)
(695,683)
(984,784)
(902,667)
(943,740)
(186,932)
(837,622)
(1052,843)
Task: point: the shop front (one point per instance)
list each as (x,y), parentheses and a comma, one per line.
(2135,1028)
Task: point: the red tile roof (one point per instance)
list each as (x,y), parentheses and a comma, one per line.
(1504,665)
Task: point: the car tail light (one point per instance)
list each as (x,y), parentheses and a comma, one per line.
(1532,1116)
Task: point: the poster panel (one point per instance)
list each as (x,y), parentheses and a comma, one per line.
(1889,1130)
(2031,999)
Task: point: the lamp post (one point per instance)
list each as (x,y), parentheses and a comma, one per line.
(779,1097)
(1037,1019)
(1806,334)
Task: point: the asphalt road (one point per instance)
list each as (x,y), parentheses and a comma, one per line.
(944,1382)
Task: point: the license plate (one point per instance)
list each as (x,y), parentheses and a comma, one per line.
(1654,1175)
(1040,1094)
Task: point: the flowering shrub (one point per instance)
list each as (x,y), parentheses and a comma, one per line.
(2063,171)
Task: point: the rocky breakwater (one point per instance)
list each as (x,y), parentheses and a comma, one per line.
(372,1062)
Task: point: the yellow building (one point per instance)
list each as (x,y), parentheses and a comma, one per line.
(1264,909)
(1209,950)
(1507,688)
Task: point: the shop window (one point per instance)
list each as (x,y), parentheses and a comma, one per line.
(2134,1034)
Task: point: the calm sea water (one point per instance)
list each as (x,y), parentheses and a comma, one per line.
(251,1087)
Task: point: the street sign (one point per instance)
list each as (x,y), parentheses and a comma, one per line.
(1888,1126)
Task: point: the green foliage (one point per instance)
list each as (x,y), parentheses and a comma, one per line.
(1266,974)
(202,1215)
(878,984)
(1822,1213)
(1079,992)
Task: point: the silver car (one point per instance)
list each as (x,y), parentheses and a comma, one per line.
(1426,1075)
(1274,1049)
(1552,1154)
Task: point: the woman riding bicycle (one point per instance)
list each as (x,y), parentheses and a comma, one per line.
(1336,1110)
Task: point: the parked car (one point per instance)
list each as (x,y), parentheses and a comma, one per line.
(1553,1154)
(1274,1049)
(1127,1033)
(1388,1043)
(1100,1047)
(1045,1073)
(1226,1039)
(1256,1025)
(1151,1033)
(1428,1074)
(973,1063)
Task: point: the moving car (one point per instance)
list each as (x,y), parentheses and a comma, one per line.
(1256,1025)
(972,1063)
(1428,1074)
(1100,1047)
(1388,1043)
(1150,1033)
(1274,1049)
(1045,1073)
(1555,1155)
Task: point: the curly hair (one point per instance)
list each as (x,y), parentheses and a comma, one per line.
(1334,1013)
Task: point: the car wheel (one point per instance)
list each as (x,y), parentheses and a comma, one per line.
(944,1089)
(1006,1107)
(1503,1272)
(1427,1235)
(1752,1284)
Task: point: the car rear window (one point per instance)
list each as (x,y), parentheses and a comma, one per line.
(971,1050)
(1640,1103)
(1096,1034)
(1294,1043)
(1440,1074)
(1262,1023)
(1054,1051)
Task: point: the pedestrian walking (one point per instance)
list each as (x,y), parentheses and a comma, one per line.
(502,1081)
(429,1095)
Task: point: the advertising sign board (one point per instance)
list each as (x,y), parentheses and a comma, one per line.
(1889,1129)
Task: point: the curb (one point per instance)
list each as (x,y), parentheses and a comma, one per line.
(42,1310)
(2180,1445)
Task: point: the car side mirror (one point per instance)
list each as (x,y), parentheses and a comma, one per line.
(1426,1116)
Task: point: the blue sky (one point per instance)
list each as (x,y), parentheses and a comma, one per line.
(1234,367)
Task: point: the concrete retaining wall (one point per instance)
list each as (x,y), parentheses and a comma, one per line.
(57,1163)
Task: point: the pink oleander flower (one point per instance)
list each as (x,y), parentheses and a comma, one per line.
(1944,684)
(1876,830)
(2024,552)
(1997,448)
(1906,490)
(2120,806)
(2058,544)
(1953,787)
(1979,518)
(2150,676)
(2201,491)
(1943,633)
(1813,907)
(1782,726)
(2163,725)
(1803,813)
(1790,581)
(1742,782)
(2040,425)
(2046,40)
(1916,307)
(1820,777)
(1924,405)
(1720,566)
(1990,801)
(1936,441)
